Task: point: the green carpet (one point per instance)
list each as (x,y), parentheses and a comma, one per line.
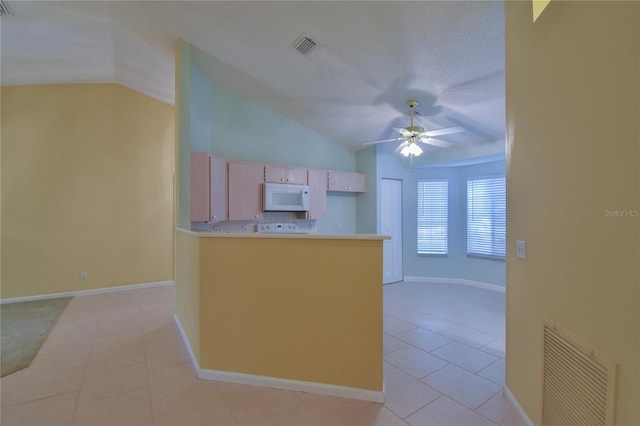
(23,329)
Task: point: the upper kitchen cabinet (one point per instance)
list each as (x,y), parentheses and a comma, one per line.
(245,190)
(317,194)
(277,174)
(218,188)
(200,187)
(208,188)
(347,181)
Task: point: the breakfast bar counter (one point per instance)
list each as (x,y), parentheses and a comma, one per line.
(303,235)
(294,311)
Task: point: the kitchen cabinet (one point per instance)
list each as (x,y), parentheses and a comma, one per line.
(317,180)
(217,188)
(199,187)
(347,181)
(246,182)
(278,174)
(208,187)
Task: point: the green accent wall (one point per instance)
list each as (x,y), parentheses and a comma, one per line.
(226,124)
(183,142)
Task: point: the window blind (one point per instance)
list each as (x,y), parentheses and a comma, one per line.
(486,217)
(433,212)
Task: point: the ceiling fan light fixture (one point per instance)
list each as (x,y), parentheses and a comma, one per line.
(415,129)
(411,149)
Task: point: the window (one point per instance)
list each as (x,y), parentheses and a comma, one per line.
(433,214)
(486,217)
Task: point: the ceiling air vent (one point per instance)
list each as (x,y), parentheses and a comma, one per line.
(4,9)
(304,44)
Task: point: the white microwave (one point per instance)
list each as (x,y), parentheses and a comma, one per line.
(283,197)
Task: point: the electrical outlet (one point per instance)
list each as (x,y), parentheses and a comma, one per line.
(83,275)
(521,247)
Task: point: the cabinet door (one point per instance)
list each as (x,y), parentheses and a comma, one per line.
(347,181)
(277,174)
(218,188)
(297,175)
(199,187)
(317,194)
(358,182)
(245,190)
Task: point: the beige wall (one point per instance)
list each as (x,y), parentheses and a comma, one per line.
(87,185)
(188,288)
(572,161)
(301,309)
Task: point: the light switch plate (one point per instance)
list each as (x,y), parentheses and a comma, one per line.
(521,247)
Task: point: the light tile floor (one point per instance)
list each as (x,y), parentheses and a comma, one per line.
(118,359)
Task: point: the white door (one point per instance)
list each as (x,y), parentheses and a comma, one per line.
(391,220)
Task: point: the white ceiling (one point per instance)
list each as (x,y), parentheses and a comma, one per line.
(371,57)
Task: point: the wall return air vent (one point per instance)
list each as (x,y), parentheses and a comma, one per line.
(304,45)
(577,384)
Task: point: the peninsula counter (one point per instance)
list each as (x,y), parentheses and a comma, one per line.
(295,311)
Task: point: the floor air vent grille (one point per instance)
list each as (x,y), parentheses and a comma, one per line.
(577,386)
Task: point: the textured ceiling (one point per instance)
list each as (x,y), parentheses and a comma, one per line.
(370,57)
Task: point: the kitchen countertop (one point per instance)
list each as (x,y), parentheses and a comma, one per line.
(308,236)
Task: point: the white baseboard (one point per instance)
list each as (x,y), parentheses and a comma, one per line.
(514,403)
(88,292)
(294,385)
(194,360)
(456,281)
(278,383)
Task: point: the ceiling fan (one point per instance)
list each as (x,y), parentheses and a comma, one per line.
(413,134)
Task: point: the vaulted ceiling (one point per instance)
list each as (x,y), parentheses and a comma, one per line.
(369,58)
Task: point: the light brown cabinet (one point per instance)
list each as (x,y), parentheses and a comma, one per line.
(217,188)
(246,182)
(199,187)
(222,190)
(278,174)
(208,188)
(317,194)
(347,181)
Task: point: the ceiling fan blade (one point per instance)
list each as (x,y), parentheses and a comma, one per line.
(386,140)
(403,131)
(436,142)
(445,131)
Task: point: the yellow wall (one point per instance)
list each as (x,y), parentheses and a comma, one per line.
(572,161)
(87,174)
(188,290)
(299,309)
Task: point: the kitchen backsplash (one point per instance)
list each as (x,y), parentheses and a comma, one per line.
(251,226)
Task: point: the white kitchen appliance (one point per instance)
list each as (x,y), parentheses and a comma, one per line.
(284,197)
